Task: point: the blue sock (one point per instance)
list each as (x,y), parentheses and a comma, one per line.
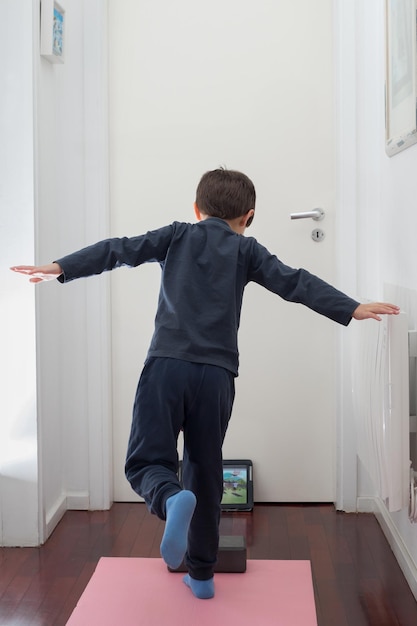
(179,511)
(202,589)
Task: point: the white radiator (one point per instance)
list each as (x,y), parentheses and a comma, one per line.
(381,398)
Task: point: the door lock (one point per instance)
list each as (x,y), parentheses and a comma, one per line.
(318,234)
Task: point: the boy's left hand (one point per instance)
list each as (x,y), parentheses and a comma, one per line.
(373,310)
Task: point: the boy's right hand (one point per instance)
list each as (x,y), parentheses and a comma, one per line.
(40,273)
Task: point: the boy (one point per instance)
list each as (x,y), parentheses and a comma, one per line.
(188,378)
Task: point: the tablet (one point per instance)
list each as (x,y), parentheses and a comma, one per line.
(237,485)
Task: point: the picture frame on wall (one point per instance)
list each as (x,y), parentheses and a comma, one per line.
(401,75)
(53,31)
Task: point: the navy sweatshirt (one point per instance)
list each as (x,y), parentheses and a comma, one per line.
(205,268)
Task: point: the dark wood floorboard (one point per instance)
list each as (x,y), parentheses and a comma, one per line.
(357,581)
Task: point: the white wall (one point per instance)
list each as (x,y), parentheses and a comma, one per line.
(386,191)
(54,451)
(18,450)
(61,311)
(72,211)
(387,187)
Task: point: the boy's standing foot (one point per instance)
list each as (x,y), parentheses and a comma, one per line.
(179,510)
(202,589)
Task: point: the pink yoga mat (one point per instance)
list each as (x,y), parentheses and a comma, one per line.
(141,592)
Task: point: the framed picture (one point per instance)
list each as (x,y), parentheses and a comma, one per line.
(401,75)
(52,43)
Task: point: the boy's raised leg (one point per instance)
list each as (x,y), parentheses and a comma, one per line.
(179,510)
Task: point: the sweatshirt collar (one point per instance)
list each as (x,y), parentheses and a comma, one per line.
(215,220)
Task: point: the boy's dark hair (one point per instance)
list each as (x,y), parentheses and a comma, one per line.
(227,194)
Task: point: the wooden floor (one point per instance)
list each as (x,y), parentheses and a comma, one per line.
(357,580)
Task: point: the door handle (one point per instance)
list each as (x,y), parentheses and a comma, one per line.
(315,214)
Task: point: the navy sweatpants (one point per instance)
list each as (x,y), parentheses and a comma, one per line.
(172,395)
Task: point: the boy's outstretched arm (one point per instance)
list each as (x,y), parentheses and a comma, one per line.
(40,273)
(373,310)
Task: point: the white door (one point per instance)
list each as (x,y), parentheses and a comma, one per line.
(247,84)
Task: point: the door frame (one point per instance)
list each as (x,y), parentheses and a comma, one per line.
(97,227)
(346,251)
(97,224)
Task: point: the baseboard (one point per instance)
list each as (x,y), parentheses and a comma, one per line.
(366,504)
(71,501)
(54,515)
(78,501)
(405,561)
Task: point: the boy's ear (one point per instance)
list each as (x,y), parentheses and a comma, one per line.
(247,219)
(197,212)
